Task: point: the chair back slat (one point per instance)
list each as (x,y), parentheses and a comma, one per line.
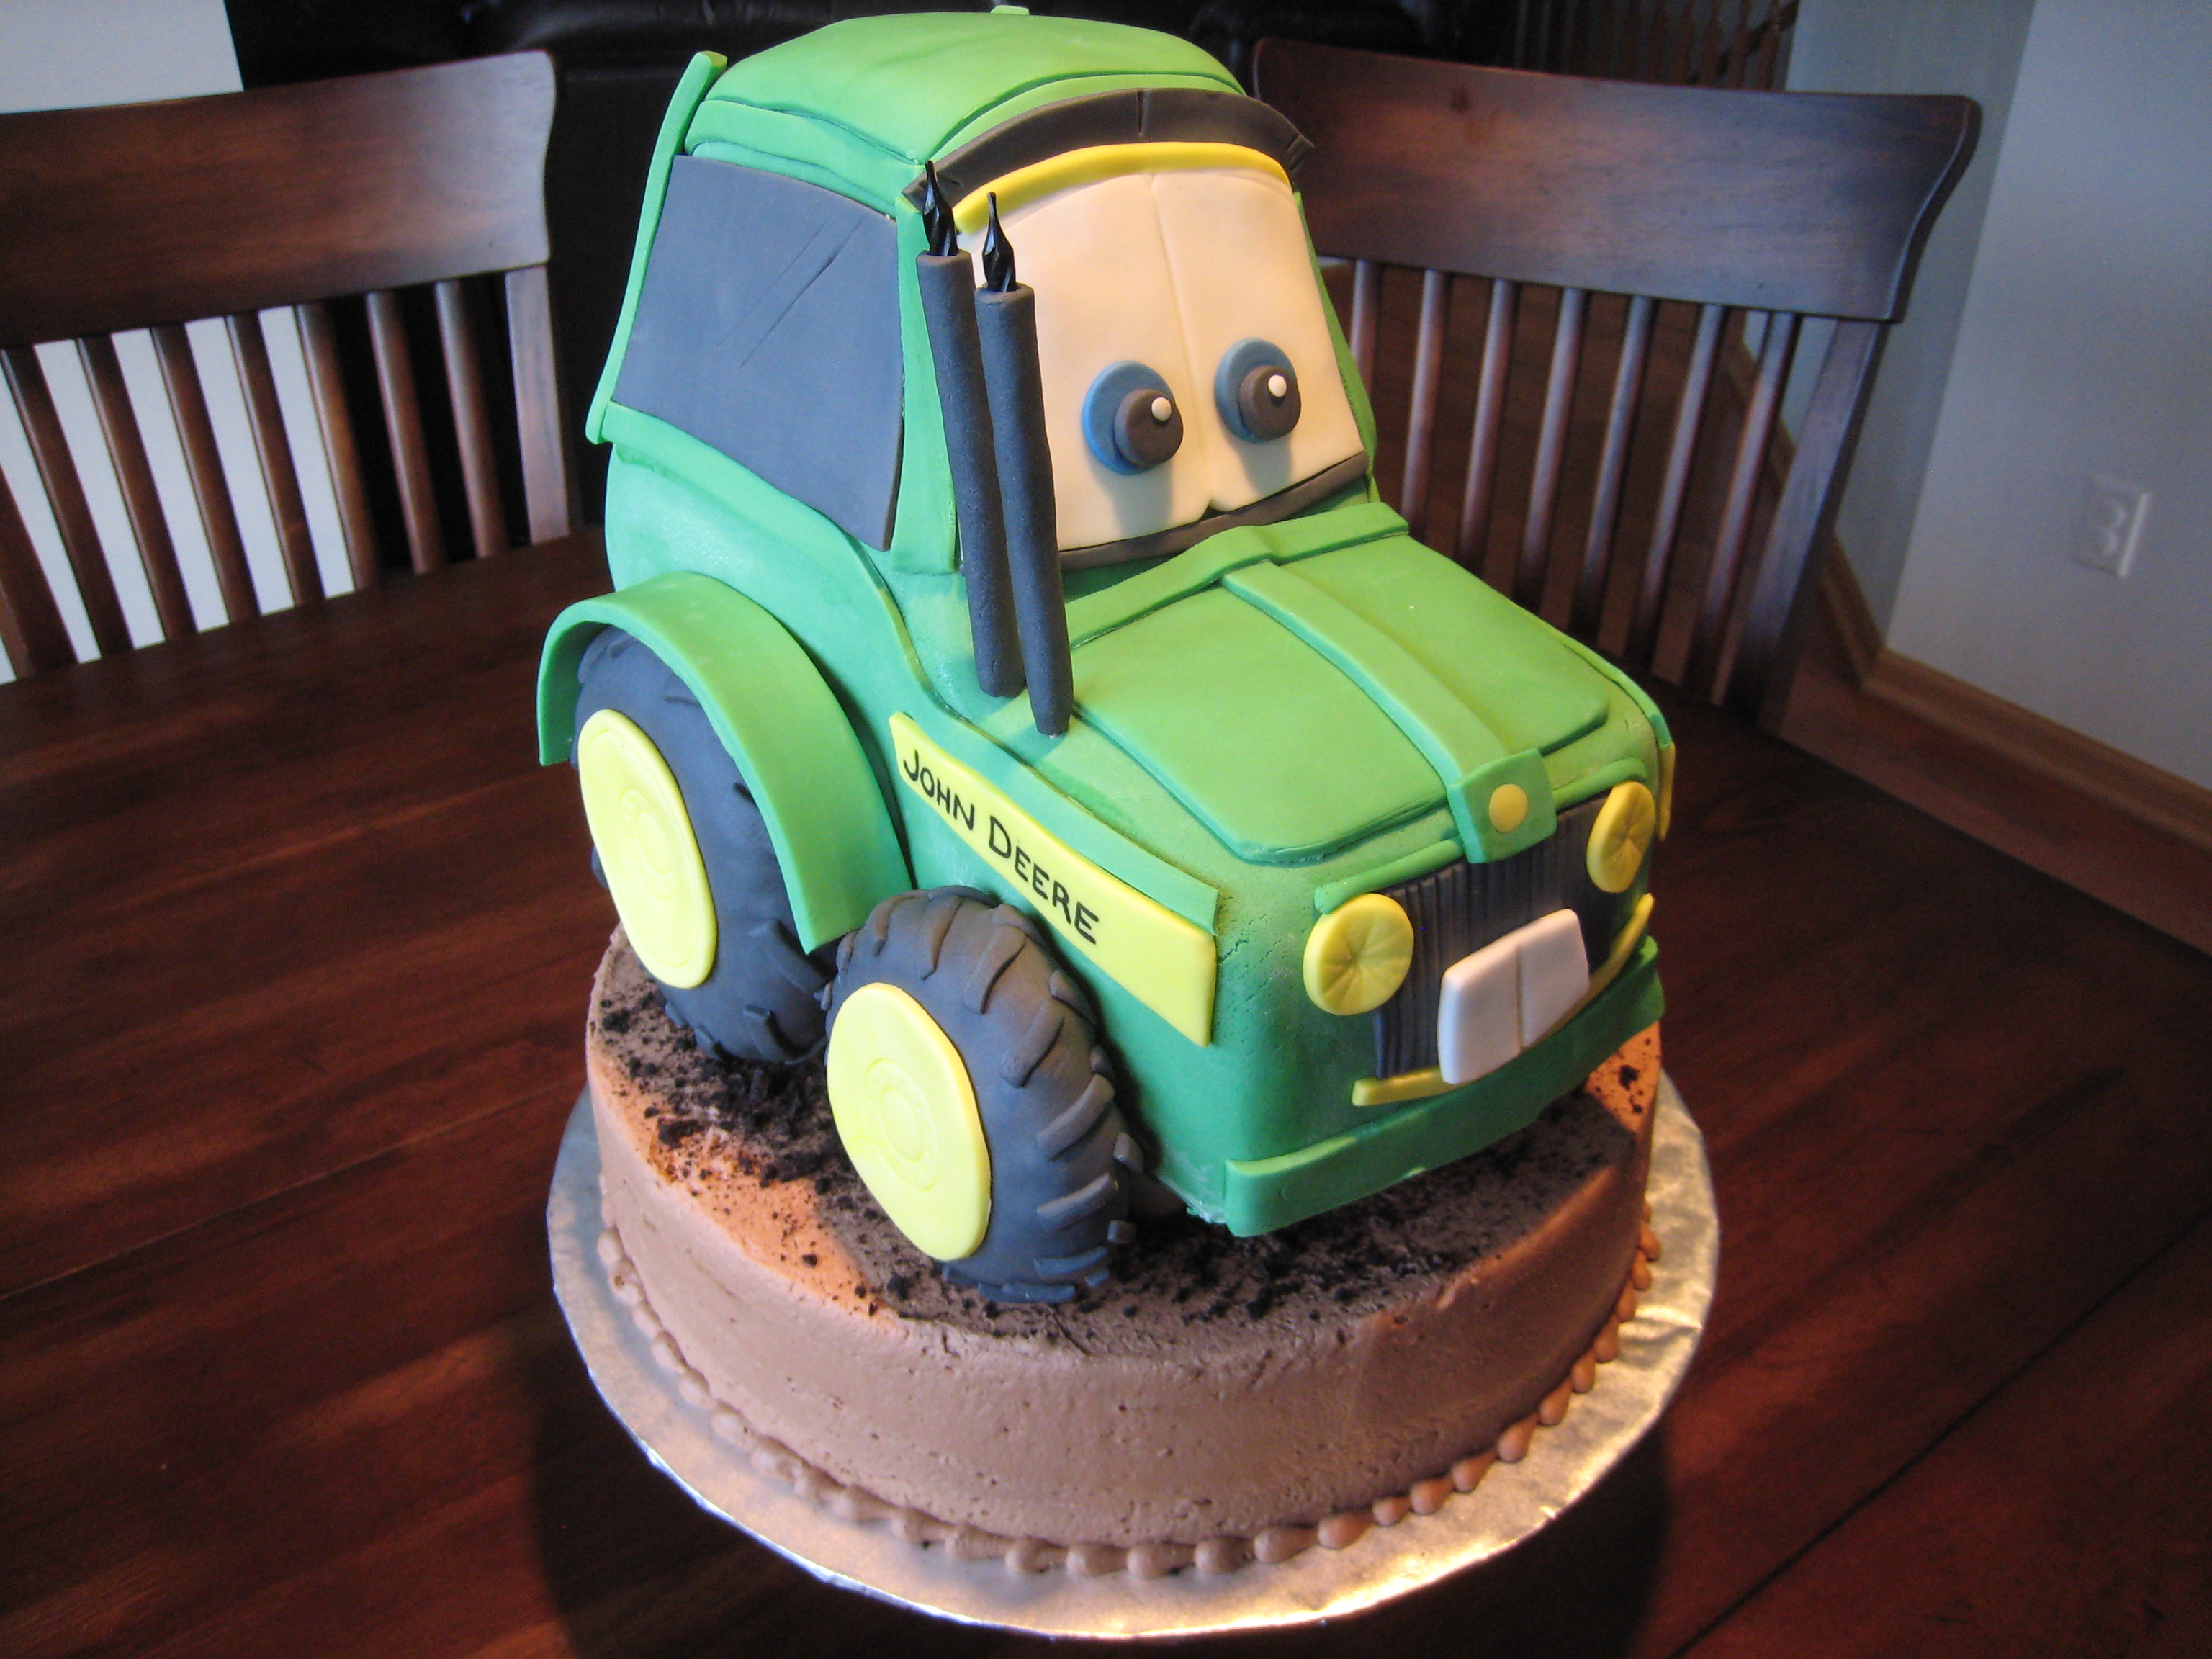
(1421,417)
(1674,489)
(1366,307)
(1551,447)
(1777,607)
(30,629)
(1613,465)
(403,426)
(319,345)
(404,180)
(65,498)
(549,484)
(1807,202)
(471,425)
(134,475)
(1720,573)
(272,450)
(180,380)
(1489,421)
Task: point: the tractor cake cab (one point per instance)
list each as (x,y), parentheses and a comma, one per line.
(1013,681)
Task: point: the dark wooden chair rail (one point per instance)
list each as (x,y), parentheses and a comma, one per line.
(149,216)
(1776,206)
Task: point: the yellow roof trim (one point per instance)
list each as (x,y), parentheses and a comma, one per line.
(1088,166)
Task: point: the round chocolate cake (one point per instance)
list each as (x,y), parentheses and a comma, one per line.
(1224,1399)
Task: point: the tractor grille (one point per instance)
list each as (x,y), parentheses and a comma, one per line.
(1458,909)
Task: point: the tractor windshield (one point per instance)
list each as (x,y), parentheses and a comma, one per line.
(1186,357)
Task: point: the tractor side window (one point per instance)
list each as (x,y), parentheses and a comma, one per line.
(768,327)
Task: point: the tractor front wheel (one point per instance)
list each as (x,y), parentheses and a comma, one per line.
(972,1096)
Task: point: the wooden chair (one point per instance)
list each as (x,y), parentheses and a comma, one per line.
(147,215)
(1671,210)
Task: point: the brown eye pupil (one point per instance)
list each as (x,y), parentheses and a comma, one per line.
(1147,428)
(1267,398)
(1256,390)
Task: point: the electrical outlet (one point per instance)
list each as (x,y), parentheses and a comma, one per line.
(2111,525)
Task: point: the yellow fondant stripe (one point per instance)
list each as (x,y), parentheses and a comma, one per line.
(1624,946)
(1162,960)
(1086,167)
(1407,1085)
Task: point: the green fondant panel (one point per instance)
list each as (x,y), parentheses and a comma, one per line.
(1452,738)
(1471,801)
(698,75)
(1408,866)
(1199,568)
(912,85)
(767,701)
(1626,684)
(1515,670)
(805,148)
(1596,782)
(1280,756)
(1264,1194)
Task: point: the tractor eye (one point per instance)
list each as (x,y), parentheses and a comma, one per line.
(1130,420)
(1256,391)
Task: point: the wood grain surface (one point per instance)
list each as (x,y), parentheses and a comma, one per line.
(299,936)
(370,197)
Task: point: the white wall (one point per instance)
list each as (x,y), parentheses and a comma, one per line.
(60,54)
(2085,347)
(1969,47)
(65,54)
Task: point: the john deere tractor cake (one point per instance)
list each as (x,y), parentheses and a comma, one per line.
(1074,850)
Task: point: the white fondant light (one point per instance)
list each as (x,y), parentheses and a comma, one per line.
(1479,1013)
(1506,997)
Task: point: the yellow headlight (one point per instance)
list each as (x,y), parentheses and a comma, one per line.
(1357,954)
(1620,836)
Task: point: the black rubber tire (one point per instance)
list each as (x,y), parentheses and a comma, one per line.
(1062,1158)
(761,1000)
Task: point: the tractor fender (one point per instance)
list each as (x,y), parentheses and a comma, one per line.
(782,724)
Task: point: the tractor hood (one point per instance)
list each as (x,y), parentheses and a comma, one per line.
(1298,693)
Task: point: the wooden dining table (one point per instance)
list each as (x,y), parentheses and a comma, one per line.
(297,939)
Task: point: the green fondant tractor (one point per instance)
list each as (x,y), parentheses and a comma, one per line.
(1013,683)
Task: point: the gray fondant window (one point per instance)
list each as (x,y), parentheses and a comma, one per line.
(767,325)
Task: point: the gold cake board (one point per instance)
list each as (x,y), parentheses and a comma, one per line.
(1513,1501)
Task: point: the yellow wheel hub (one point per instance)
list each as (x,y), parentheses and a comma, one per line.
(1357,954)
(1625,826)
(647,848)
(906,1111)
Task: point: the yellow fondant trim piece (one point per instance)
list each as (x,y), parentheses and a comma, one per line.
(1509,804)
(906,1112)
(1088,166)
(1164,961)
(1357,954)
(1624,946)
(1407,1085)
(646,850)
(1620,837)
(1666,788)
